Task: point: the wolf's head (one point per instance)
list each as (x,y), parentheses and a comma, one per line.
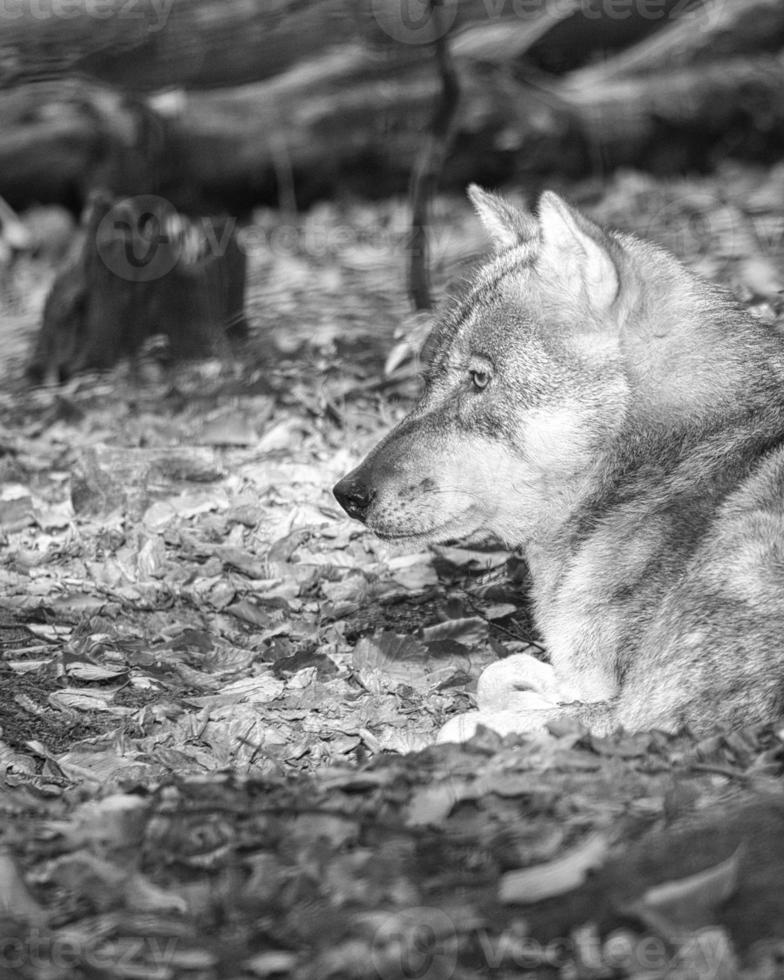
(530,379)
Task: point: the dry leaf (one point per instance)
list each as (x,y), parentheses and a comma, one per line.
(687,903)
(254,689)
(82,671)
(271,963)
(469,632)
(431,804)
(15,898)
(231,431)
(116,821)
(385,661)
(88,699)
(555,877)
(468,558)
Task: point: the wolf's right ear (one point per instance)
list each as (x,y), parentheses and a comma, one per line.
(505,224)
(577,251)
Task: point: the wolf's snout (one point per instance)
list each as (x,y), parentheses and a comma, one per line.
(354,496)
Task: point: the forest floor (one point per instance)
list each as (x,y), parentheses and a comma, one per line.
(220,695)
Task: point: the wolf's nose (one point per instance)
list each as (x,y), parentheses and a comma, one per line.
(354,496)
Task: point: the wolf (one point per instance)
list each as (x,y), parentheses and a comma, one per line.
(621,420)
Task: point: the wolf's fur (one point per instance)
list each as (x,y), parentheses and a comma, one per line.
(630,437)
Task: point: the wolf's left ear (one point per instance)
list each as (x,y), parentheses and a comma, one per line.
(577,251)
(505,224)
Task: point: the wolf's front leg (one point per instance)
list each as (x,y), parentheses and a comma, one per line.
(516,694)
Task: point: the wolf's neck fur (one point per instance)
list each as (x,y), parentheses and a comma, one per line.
(653,494)
(689,348)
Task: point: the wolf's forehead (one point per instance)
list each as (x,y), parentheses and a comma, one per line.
(497,281)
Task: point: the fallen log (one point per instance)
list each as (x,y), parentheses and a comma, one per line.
(670,121)
(60,139)
(705,33)
(201,44)
(347,119)
(732,106)
(151,45)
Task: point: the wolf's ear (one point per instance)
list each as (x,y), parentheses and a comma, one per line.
(505,224)
(577,251)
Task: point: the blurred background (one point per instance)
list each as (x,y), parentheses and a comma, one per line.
(330,142)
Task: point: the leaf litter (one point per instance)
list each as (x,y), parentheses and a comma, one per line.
(220,695)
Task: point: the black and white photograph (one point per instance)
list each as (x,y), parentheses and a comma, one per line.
(392,489)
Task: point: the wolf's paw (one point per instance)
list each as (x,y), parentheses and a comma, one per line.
(527,716)
(515,683)
(516,695)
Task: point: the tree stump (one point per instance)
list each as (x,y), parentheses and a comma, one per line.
(143,270)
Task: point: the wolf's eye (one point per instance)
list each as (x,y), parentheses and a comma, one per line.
(479,379)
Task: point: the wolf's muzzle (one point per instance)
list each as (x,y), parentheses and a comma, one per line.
(354,496)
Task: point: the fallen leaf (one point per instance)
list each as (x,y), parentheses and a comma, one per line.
(83,671)
(555,877)
(431,805)
(469,632)
(230,431)
(271,963)
(499,611)
(54,516)
(688,903)
(87,699)
(158,515)
(116,821)
(16,512)
(15,898)
(254,689)
(468,558)
(144,896)
(416,577)
(384,660)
